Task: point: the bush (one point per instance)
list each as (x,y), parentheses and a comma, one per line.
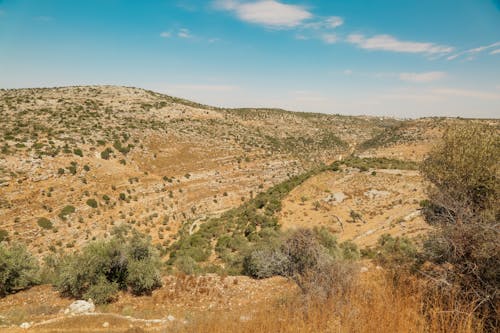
(302,258)
(396,252)
(78,152)
(18,269)
(103,291)
(67,210)
(106,153)
(464,203)
(103,268)
(92,203)
(44,223)
(464,172)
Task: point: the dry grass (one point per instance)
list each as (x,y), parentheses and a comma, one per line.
(373,305)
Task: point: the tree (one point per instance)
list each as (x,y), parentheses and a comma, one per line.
(464,203)
(18,269)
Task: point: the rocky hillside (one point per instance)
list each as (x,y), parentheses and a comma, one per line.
(75,162)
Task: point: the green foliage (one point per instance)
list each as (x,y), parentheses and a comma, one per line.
(464,171)
(104,267)
(366,163)
(395,252)
(67,210)
(106,153)
(464,203)
(301,257)
(18,269)
(78,152)
(44,223)
(92,203)
(103,291)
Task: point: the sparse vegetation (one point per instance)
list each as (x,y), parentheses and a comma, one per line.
(104,267)
(44,223)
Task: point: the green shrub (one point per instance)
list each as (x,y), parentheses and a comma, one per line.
(78,152)
(302,258)
(106,153)
(67,210)
(92,203)
(395,252)
(102,268)
(103,291)
(44,223)
(18,269)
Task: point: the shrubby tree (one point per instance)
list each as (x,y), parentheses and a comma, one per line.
(104,267)
(464,203)
(309,257)
(18,269)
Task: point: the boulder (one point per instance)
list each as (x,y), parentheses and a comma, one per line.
(80,307)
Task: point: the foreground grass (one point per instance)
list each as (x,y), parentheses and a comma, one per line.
(374,304)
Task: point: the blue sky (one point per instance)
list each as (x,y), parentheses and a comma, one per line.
(379,57)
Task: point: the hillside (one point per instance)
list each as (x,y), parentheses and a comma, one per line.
(146,159)
(208,185)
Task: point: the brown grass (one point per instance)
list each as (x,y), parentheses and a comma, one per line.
(373,305)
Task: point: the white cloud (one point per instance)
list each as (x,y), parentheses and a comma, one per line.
(329,38)
(347,72)
(270,13)
(390,43)
(495,51)
(331,22)
(165,34)
(334,21)
(472,52)
(421,77)
(184,33)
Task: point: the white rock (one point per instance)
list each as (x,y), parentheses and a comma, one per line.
(105,324)
(25,325)
(363,269)
(170,318)
(80,306)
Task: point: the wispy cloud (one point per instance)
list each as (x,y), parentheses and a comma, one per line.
(329,38)
(166,34)
(390,43)
(331,22)
(471,53)
(422,77)
(269,13)
(495,51)
(184,33)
